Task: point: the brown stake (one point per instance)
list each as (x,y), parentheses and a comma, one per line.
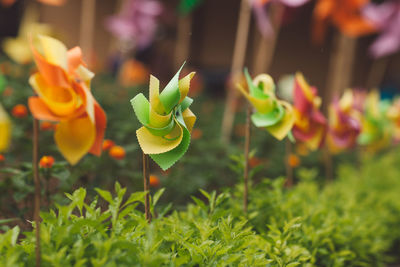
(183,40)
(246,157)
(239,55)
(339,78)
(340,67)
(289,169)
(266,45)
(146,185)
(36,214)
(328,162)
(88,21)
(377,72)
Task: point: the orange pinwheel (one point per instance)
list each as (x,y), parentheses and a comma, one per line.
(344,14)
(62,85)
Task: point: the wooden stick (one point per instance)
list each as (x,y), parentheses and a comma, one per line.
(146,185)
(340,67)
(377,72)
(36,214)
(88,21)
(328,162)
(289,169)
(239,55)
(182,47)
(246,157)
(266,45)
(339,78)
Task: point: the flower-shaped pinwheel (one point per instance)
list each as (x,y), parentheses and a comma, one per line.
(276,116)
(5,129)
(344,14)
(344,123)
(310,125)
(167,120)
(136,23)
(18,48)
(63,88)
(386,18)
(261,14)
(375,130)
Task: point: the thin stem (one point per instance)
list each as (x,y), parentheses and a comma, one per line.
(328,165)
(48,177)
(289,169)
(36,214)
(246,157)
(146,184)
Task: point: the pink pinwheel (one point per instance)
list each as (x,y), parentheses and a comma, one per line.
(261,14)
(136,22)
(344,123)
(310,125)
(386,18)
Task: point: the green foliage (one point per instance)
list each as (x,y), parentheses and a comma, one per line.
(350,222)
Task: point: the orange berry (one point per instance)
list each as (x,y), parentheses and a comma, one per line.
(254,161)
(154,181)
(19,111)
(197,134)
(293,160)
(47,126)
(117,152)
(133,72)
(107,144)
(2,158)
(302,149)
(46,162)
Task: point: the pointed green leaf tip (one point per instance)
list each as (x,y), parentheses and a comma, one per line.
(167,120)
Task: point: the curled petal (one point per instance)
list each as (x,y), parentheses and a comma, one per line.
(152,144)
(283,127)
(62,101)
(189,119)
(261,105)
(101,123)
(75,137)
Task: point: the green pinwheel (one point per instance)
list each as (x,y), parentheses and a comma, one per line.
(275,115)
(167,120)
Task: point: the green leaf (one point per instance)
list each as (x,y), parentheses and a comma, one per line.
(105,195)
(157,196)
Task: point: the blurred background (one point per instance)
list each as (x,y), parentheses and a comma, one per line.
(123,41)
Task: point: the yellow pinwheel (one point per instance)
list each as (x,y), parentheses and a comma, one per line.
(275,115)
(167,120)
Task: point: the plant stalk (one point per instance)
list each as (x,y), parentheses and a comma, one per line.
(146,185)
(246,157)
(289,169)
(36,180)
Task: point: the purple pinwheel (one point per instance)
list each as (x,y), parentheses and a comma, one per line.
(386,17)
(136,22)
(261,14)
